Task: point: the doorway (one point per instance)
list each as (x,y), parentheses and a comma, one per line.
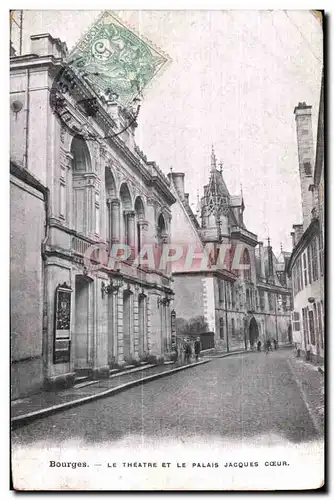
(253,331)
(83,323)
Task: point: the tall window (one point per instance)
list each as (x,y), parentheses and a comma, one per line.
(309,261)
(270,301)
(246,261)
(140,216)
(299,275)
(305,326)
(233,328)
(83,219)
(262,301)
(296,321)
(221,328)
(311,325)
(221,290)
(305,269)
(314,253)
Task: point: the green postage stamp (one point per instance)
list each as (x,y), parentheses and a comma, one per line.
(115,60)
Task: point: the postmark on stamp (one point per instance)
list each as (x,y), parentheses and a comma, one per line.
(110,63)
(115,59)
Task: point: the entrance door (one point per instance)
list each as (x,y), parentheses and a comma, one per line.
(82,327)
(253,332)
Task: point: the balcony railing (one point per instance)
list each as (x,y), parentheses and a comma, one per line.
(80,245)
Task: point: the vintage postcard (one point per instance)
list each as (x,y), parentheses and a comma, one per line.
(167,250)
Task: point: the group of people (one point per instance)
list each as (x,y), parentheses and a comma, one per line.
(267,345)
(185,350)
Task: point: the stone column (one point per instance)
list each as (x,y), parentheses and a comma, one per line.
(131,231)
(114,220)
(136,324)
(143,225)
(119,325)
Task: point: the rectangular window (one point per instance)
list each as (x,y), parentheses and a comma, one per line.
(221,290)
(309,261)
(314,252)
(233,328)
(296,321)
(305,326)
(305,269)
(262,301)
(307,168)
(221,328)
(270,301)
(311,327)
(284,303)
(299,275)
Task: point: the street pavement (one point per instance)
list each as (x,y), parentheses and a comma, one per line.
(239,397)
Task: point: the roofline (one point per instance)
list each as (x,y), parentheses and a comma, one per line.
(313,227)
(24,175)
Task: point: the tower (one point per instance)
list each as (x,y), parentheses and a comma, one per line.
(303,116)
(215,205)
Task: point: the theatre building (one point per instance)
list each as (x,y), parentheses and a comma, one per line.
(92,316)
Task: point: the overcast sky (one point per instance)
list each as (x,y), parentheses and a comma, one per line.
(233,80)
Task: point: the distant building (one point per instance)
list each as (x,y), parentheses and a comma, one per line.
(306,265)
(237,307)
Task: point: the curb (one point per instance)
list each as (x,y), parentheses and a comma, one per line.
(22,420)
(233,353)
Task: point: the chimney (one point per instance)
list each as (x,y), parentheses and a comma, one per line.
(178,180)
(298,228)
(46,45)
(293,237)
(303,116)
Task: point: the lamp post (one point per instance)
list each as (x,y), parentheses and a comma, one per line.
(114,285)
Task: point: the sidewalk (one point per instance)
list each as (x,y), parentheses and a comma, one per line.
(312,386)
(43,404)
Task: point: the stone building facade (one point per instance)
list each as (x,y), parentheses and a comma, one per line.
(306,265)
(98,312)
(233,285)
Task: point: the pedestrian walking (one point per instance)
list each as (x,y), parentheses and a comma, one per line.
(197,347)
(259,345)
(275,344)
(187,352)
(269,348)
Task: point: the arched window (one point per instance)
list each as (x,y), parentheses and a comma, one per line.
(112,214)
(162,231)
(140,217)
(83,210)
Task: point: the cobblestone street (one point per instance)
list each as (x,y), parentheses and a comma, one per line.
(241,397)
